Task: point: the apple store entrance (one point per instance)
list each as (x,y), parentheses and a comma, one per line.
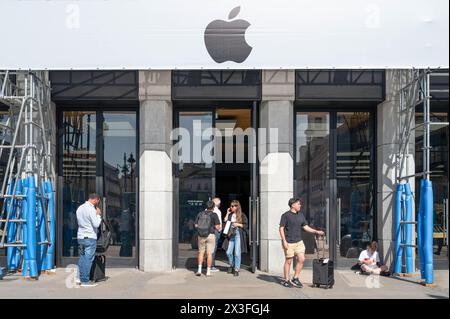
(230,176)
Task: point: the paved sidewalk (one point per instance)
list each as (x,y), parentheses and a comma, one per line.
(181,283)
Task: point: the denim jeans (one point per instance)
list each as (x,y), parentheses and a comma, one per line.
(215,249)
(234,244)
(87,254)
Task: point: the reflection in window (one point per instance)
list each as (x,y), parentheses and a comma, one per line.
(79,171)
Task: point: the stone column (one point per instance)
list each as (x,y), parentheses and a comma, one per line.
(388,141)
(155,171)
(277,162)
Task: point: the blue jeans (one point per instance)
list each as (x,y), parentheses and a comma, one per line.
(87,254)
(215,249)
(234,244)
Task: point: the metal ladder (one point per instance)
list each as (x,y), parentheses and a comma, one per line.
(27,213)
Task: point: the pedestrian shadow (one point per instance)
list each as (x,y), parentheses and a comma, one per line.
(437,297)
(270,278)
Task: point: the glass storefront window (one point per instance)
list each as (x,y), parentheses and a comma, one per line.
(354,182)
(335,179)
(99,155)
(78,171)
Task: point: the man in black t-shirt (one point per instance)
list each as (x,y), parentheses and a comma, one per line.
(291,224)
(206,223)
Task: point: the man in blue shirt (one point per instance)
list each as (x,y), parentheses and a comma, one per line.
(89,219)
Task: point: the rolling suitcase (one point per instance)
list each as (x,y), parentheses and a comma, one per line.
(98,269)
(323,270)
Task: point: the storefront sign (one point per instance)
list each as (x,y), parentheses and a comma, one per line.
(221,34)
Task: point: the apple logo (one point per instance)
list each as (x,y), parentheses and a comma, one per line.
(225,41)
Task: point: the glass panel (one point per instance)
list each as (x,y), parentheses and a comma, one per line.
(439,141)
(312,170)
(354,183)
(119,169)
(79,171)
(195,179)
(233,149)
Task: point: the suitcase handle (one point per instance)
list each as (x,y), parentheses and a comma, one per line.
(317,246)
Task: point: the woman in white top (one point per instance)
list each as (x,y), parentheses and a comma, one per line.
(237,244)
(370,260)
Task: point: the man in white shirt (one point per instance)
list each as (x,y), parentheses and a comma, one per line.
(89,219)
(217,211)
(370,260)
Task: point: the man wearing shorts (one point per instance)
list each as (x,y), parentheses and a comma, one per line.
(291,224)
(207,243)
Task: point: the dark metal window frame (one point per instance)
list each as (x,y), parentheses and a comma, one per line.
(355,76)
(333,108)
(93,81)
(220,78)
(60,109)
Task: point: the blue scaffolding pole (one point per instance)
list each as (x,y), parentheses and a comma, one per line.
(27,214)
(418,93)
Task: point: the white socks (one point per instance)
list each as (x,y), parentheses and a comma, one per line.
(208,270)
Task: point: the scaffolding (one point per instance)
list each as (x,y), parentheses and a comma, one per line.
(418,94)
(27,217)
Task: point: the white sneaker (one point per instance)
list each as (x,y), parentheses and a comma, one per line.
(198,273)
(88,284)
(208,274)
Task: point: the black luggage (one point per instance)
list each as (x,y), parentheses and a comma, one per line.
(323,270)
(98,268)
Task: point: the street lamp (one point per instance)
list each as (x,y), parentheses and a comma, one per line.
(131,162)
(125,168)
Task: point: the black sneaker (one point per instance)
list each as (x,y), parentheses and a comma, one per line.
(236,273)
(230,270)
(296,283)
(286,284)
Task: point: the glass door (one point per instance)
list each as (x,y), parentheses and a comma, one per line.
(98,155)
(194,180)
(79,171)
(120,181)
(355,182)
(312,171)
(334,175)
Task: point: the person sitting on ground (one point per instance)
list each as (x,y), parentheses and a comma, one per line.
(370,260)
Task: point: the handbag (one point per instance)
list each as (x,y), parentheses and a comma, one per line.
(228,230)
(103,237)
(232,232)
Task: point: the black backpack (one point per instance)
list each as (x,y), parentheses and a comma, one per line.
(204,224)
